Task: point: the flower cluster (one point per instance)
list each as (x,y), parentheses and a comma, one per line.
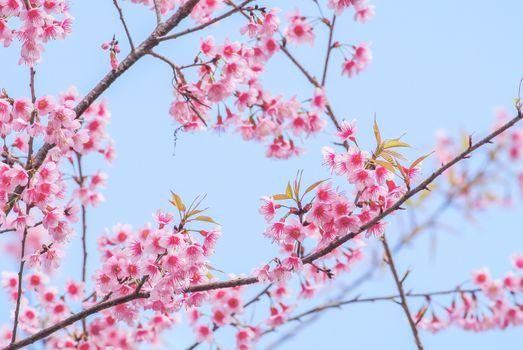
(489,185)
(43,207)
(168,259)
(493,306)
(229,73)
(331,214)
(40,21)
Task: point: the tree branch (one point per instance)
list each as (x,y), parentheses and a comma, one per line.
(235,9)
(122,19)
(399,285)
(329,50)
(157,12)
(306,260)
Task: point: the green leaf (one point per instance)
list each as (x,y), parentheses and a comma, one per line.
(386,165)
(288,190)
(420,159)
(196,211)
(206,219)
(212,268)
(313,186)
(280,197)
(177,201)
(377,133)
(395,143)
(393,154)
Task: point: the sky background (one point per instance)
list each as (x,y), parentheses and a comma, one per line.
(444,64)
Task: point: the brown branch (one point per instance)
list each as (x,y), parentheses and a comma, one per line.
(19,291)
(422,186)
(124,23)
(338,304)
(403,298)
(306,260)
(206,24)
(413,233)
(157,12)
(329,50)
(80,182)
(76,317)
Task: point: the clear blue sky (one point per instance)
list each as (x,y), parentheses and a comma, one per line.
(443,64)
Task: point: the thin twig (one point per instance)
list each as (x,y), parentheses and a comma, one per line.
(124,23)
(157,12)
(206,24)
(20,282)
(403,298)
(338,304)
(329,50)
(80,182)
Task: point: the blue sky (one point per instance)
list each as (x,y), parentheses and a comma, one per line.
(442,64)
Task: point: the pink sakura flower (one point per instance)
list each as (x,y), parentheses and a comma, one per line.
(493,289)
(162,218)
(377,230)
(210,241)
(262,273)
(348,223)
(48,296)
(268,209)
(233,303)
(279,274)
(193,315)
(122,233)
(22,108)
(220,316)
(36,280)
(319,212)
(194,253)
(339,5)
(355,158)
(319,100)
(481,276)
(517,261)
(364,13)
(299,30)
(382,174)
(9,280)
(292,263)
(293,231)
(269,46)
(45,105)
(347,130)
(29,319)
(218,92)
(510,282)
(329,157)
(204,334)
(361,178)
(350,67)
(75,290)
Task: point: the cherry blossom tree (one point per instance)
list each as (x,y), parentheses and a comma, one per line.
(147,277)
